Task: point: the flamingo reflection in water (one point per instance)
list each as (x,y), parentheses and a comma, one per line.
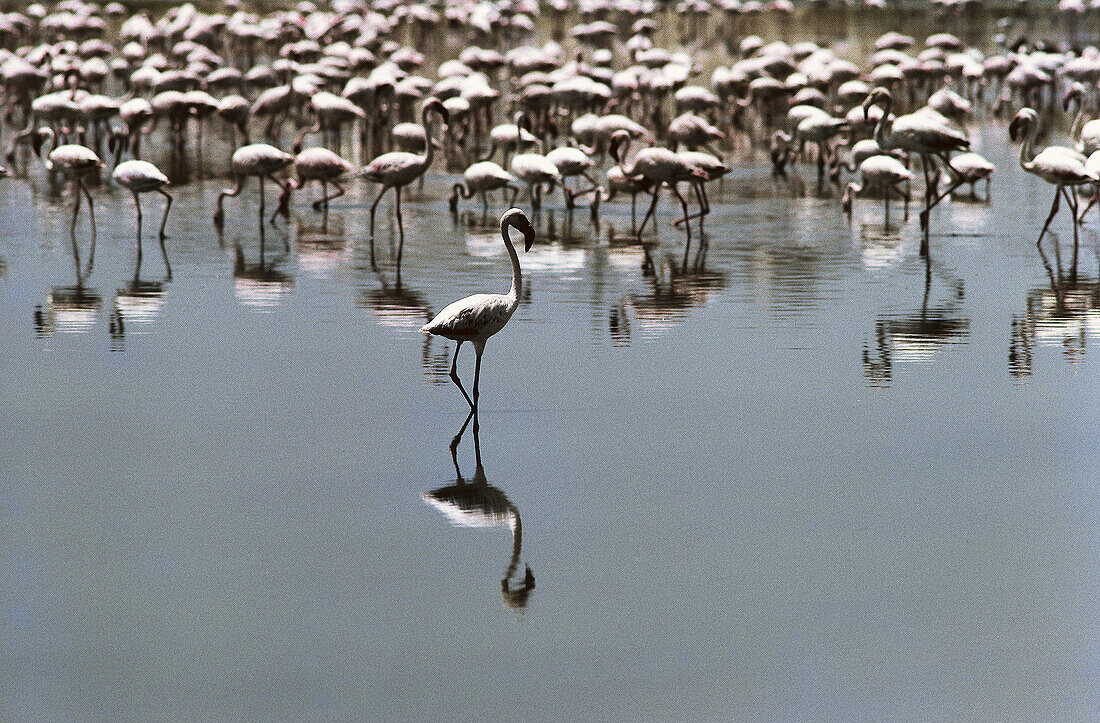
(69,309)
(674,290)
(260,285)
(139,302)
(916,336)
(1066,314)
(476,503)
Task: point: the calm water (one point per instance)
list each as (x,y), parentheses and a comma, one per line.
(806,476)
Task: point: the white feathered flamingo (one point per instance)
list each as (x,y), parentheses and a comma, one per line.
(883,171)
(926,133)
(398,169)
(74,161)
(478,317)
(321,165)
(140,177)
(256,159)
(1058,166)
(480,178)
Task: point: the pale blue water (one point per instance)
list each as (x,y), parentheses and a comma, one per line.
(795,483)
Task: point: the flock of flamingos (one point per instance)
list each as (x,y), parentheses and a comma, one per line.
(600,113)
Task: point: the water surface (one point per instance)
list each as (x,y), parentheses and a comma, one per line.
(808,474)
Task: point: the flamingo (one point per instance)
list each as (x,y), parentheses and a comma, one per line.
(140,177)
(255,159)
(534,169)
(971,168)
(661,166)
(881,170)
(478,317)
(1056,165)
(1085,134)
(922,133)
(397,169)
(480,178)
(617,181)
(316,164)
(74,161)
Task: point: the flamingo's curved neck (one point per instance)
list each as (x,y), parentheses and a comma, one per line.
(1027,162)
(880,128)
(46,160)
(517,275)
(1078,121)
(429,127)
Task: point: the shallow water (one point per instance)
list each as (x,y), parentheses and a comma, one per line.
(807,475)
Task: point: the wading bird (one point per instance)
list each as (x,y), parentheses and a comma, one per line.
(256,159)
(398,169)
(1057,165)
(478,317)
(140,177)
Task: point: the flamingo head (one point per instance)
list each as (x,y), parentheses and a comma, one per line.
(1021,123)
(878,96)
(618,138)
(517,219)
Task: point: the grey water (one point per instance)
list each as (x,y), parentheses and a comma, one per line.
(807,474)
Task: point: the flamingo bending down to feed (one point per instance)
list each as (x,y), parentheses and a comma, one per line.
(662,167)
(398,169)
(316,164)
(256,159)
(1057,165)
(480,178)
(140,177)
(478,317)
(74,161)
(881,170)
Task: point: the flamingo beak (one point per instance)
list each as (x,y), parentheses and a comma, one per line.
(528,238)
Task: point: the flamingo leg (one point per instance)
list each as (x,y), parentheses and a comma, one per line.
(76,208)
(400,231)
(91,214)
(1088,206)
(456,380)
(167,208)
(652,208)
(326,198)
(1071,199)
(91,209)
(687,224)
(1053,211)
(137,203)
(277,207)
(479,347)
(374,206)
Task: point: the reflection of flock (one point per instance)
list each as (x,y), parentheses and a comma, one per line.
(1065,314)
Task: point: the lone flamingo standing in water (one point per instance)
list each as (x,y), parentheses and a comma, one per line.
(478,317)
